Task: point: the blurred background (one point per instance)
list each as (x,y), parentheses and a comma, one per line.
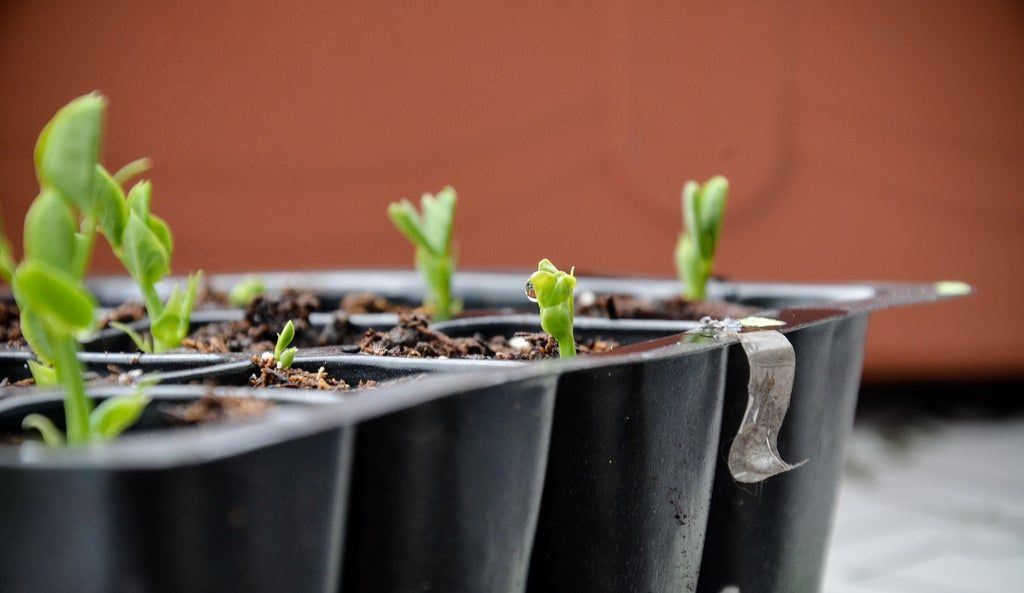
(864,141)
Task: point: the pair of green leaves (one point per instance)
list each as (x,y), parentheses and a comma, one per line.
(433,230)
(55,308)
(703,212)
(552,289)
(431,233)
(172,324)
(144,244)
(284,355)
(112,417)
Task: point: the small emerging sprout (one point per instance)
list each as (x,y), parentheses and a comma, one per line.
(282,353)
(552,290)
(703,210)
(245,291)
(431,233)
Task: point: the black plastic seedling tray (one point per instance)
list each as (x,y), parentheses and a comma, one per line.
(262,506)
(635,469)
(252,507)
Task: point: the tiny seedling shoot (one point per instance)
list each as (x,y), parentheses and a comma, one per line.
(246,291)
(55,306)
(703,210)
(283,355)
(431,234)
(552,290)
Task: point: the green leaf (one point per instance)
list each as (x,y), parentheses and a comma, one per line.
(68,149)
(173,324)
(141,343)
(438,217)
(51,434)
(50,233)
(284,339)
(113,416)
(110,207)
(691,210)
(139,198)
(162,232)
(245,291)
(712,211)
(165,327)
(408,222)
(45,376)
(286,358)
(83,251)
(55,296)
(691,268)
(143,253)
(34,332)
(132,170)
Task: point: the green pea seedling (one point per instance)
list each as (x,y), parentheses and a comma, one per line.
(703,211)
(431,233)
(144,244)
(552,290)
(55,307)
(283,355)
(245,291)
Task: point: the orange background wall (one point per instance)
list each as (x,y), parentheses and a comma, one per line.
(867,140)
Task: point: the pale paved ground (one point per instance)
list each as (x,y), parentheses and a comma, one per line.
(936,510)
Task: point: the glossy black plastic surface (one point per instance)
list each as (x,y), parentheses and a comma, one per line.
(773,536)
(265,519)
(446,494)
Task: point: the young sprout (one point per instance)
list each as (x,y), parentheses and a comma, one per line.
(431,233)
(282,353)
(703,209)
(55,307)
(552,290)
(245,291)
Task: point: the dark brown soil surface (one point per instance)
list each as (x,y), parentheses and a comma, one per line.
(619,306)
(293,378)
(126,313)
(264,318)
(208,298)
(6,382)
(414,339)
(114,375)
(368,302)
(209,409)
(10,324)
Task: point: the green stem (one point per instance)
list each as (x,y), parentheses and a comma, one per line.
(698,284)
(83,252)
(77,405)
(566,347)
(442,300)
(153,305)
